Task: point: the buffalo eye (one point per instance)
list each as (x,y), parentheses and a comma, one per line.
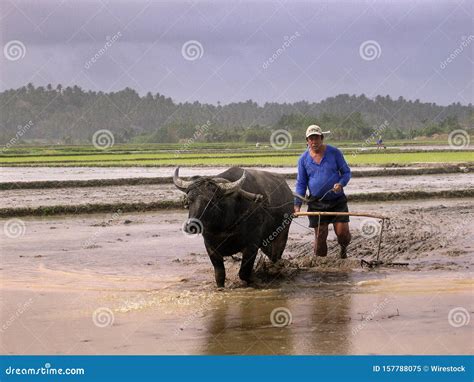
(186,202)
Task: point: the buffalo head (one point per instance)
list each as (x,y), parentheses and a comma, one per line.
(209,201)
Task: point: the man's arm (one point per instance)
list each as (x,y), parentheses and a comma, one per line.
(301,181)
(344,170)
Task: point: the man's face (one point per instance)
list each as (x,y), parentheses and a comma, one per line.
(314,141)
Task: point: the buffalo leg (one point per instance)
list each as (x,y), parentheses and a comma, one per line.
(248,259)
(218,263)
(219,269)
(278,245)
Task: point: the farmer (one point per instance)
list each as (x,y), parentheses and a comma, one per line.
(323,170)
(380,144)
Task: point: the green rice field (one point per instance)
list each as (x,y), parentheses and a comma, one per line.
(222,157)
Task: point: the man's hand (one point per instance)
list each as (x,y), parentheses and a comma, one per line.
(337,187)
(296,209)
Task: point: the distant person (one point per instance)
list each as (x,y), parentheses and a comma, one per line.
(380,144)
(323,170)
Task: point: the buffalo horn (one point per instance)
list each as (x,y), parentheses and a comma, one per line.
(180,183)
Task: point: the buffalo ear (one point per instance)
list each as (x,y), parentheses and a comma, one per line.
(258,198)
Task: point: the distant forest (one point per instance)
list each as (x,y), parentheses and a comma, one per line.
(71,116)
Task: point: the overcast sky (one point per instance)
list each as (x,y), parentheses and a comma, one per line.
(220,51)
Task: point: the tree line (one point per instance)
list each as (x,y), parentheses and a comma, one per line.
(71,115)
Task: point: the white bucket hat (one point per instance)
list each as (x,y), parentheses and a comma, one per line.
(315,130)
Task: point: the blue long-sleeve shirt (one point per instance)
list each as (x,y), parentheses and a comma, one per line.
(320,178)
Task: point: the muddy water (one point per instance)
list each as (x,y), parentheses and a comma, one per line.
(28,174)
(152,289)
(153,193)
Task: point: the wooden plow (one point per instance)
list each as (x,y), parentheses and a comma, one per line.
(364,263)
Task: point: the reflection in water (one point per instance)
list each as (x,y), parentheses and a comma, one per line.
(329,327)
(325,317)
(241,323)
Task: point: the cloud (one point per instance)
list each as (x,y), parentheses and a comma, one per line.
(61,36)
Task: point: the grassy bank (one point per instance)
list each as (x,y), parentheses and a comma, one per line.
(233,159)
(174,204)
(194,146)
(446,169)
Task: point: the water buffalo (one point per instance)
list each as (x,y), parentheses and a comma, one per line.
(238,211)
